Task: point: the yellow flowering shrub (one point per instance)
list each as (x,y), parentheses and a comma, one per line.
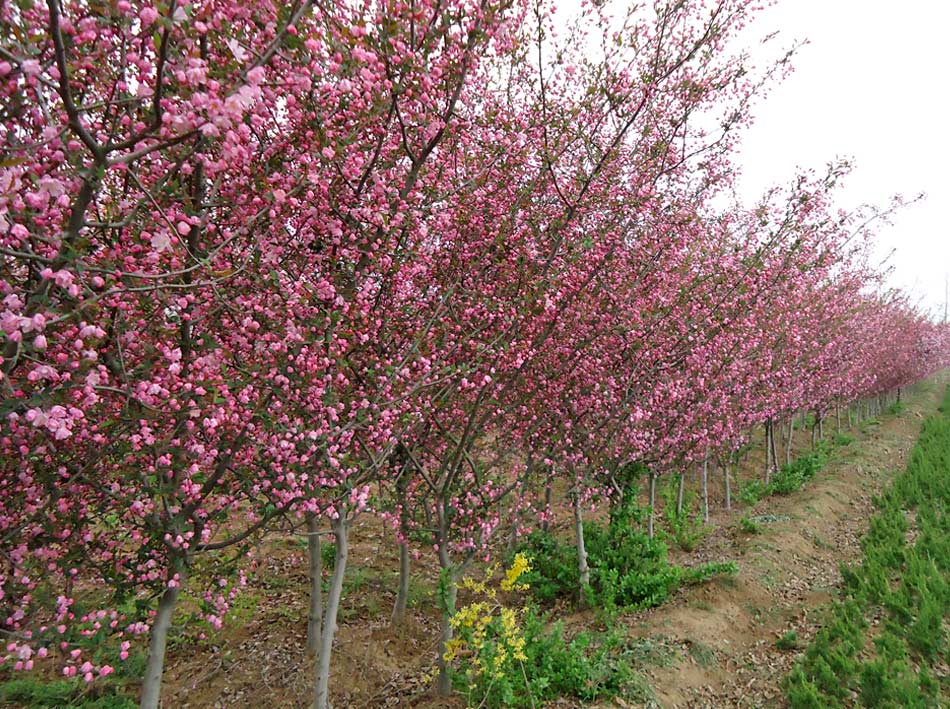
(489,642)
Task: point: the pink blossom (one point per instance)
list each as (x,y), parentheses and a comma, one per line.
(148,15)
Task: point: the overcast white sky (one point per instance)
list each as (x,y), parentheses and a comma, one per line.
(873,85)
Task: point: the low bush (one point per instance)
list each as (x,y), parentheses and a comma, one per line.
(628,569)
(791,477)
(503,657)
(684,527)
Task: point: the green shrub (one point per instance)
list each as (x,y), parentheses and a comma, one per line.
(791,477)
(750,526)
(840,440)
(628,569)
(896,408)
(789,641)
(553,571)
(501,658)
(803,694)
(751,492)
(684,527)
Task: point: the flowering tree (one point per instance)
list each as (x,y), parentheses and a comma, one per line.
(301,262)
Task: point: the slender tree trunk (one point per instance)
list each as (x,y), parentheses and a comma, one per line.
(444,682)
(789,441)
(679,493)
(315,563)
(583,570)
(728,484)
(850,422)
(448,593)
(821,427)
(837,418)
(546,524)
(152,681)
(898,400)
(321,693)
(402,593)
(706,486)
(651,521)
(768,451)
(774,445)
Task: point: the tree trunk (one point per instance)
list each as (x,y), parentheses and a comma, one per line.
(768,451)
(402,593)
(444,682)
(582,568)
(152,681)
(790,440)
(679,494)
(728,485)
(321,694)
(706,486)
(315,559)
(651,519)
(774,446)
(546,524)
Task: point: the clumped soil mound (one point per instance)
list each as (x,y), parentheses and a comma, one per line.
(717,640)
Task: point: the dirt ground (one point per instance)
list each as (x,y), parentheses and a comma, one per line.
(718,639)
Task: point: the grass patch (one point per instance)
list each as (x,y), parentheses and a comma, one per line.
(704,655)
(902,586)
(58,693)
(789,641)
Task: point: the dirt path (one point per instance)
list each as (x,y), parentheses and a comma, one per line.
(726,631)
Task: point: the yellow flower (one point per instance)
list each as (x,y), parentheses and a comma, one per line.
(488,647)
(519,566)
(451,649)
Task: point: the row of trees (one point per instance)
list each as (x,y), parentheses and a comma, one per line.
(266,262)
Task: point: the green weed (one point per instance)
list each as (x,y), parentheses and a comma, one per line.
(789,641)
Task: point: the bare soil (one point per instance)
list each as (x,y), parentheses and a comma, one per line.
(722,634)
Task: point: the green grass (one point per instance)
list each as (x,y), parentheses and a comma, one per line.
(40,693)
(901,589)
(789,641)
(704,655)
